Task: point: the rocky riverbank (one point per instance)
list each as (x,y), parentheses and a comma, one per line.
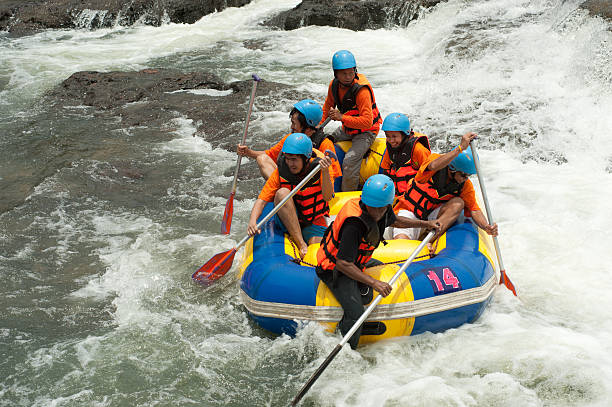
(354,15)
(29,16)
(601,8)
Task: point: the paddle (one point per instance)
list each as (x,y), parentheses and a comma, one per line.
(322,125)
(226,223)
(504,277)
(221,263)
(359,322)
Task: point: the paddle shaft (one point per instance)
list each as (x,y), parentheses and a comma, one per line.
(281,203)
(256,80)
(360,321)
(486,202)
(324,123)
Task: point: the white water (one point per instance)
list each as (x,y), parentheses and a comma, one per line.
(534,78)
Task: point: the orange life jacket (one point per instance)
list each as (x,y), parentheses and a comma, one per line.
(328,251)
(401,170)
(309,202)
(348,104)
(423,198)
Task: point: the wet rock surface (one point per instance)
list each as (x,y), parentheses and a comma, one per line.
(29,16)
(115,119)
(350,14)
(601,8)
(151,97)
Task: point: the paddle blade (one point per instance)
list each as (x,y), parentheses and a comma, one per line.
(503,279)
(226,223)
(215,267)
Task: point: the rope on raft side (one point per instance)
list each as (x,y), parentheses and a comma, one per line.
(298,260)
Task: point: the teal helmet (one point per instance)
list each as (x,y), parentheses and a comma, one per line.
(298,143)
(311,110)
(397,122)
(464,162)
(378,191)
(343,59)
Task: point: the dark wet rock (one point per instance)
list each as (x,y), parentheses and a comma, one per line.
(602,8)
(152,97)
(351,14)
(26,17)
(112,89)
(113,118)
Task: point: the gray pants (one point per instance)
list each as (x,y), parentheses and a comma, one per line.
(353,157)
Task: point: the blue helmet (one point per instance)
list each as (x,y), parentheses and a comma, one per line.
(311,111)
(464,162)
(298,143)
(396,122)
(343,59)
(378,191)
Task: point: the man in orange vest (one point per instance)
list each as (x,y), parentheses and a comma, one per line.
(305,117)
(406,151)
(350,100)
(348,245)
(441,190)
(305,215)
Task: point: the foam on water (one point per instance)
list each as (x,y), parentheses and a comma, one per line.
(59,53)
(532,77)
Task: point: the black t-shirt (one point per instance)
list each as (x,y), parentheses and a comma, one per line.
(354,231)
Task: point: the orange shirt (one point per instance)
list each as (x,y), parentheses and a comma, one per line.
(419,155)
(274,151)
(335,170)
(468,194)
(365,120)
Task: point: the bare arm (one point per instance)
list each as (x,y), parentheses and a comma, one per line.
(247,152)
(482,223)
(327,188)
(403,222)
(445,159)
(255,214)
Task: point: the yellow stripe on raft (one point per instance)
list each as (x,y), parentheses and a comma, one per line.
(247,257)
(402,292)
(370,164)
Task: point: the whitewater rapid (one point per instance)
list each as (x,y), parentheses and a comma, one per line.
(98,306)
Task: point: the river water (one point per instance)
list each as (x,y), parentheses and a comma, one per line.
(96,303)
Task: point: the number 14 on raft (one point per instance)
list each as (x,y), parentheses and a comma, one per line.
(226,223)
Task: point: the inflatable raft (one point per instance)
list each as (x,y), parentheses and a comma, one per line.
(435,293)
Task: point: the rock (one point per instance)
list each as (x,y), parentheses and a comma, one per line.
(26,17)
(113,89)
(114,119)
(152,97)
(352,14)
(602,8)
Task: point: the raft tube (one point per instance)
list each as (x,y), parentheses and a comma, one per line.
(370,164)
(433,294)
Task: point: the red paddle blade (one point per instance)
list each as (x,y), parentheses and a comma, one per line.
(215,267)
(226,223)
(506,281)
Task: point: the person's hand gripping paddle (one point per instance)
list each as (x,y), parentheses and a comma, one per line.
(504,279)
(220,263)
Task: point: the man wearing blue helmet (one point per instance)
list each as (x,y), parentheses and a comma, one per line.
(305,117)
(405,152)
(441,190)
(348,245)
(305,214)
(350,100)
